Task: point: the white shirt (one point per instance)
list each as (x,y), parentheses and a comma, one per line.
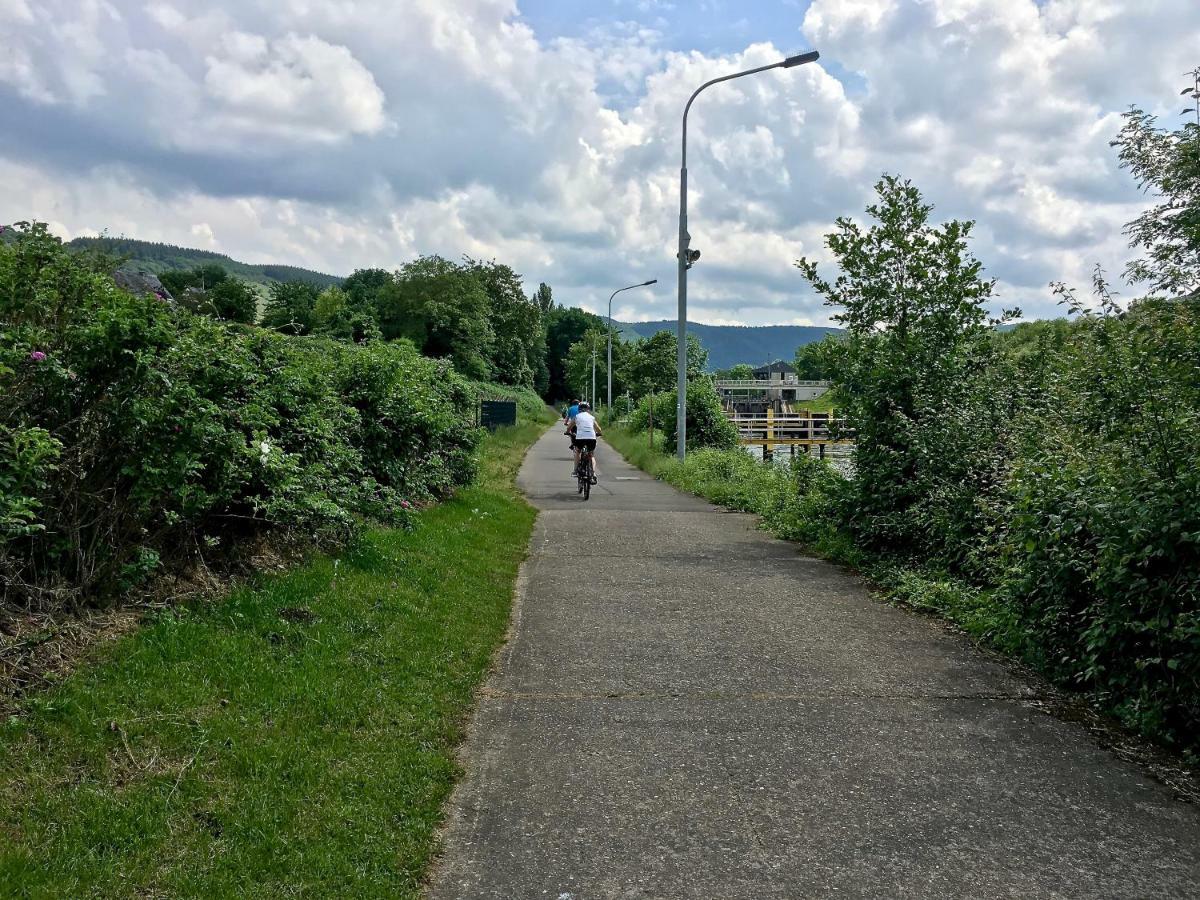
(585,426)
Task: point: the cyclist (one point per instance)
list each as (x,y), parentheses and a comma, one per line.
(569,414)
(587,429)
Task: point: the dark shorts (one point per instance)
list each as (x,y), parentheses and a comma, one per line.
(588,444)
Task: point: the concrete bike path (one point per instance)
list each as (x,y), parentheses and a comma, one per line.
(689,708)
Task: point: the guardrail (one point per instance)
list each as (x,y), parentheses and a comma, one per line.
(737,384)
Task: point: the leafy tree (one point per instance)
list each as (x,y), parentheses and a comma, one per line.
(519,349)
(363,286)
(814,361)
(740,372)
(564,327)
(444,309)
(652,365)
(579,362)
(912,299)
(1166,164)
(203,278)
(290,307)
(544,298)
(707,424)
(232,299)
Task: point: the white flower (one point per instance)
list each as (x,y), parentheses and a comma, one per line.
(265,449)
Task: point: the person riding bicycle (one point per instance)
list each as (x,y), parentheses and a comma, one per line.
(569,414)
(586,429)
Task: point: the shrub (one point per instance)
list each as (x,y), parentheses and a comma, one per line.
(707,424)
(135,435)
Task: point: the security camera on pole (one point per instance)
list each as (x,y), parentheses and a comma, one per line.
(687,256)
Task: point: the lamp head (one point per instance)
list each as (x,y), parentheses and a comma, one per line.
(651,281)
(810,56)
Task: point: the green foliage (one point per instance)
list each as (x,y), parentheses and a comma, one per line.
(220,750)
(1166,164)
(564,328)
(444,310)
(211,290)
(652,363)
(1102,557)
(816,361)
(171,432)
(740,372)
(291,307)
(912,299)
(519,352)
(707,424)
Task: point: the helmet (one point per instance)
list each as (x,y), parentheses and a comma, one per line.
(585,405)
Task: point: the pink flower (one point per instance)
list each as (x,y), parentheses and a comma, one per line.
(405,504)
(37,356)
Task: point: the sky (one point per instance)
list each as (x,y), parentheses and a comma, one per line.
(337,134)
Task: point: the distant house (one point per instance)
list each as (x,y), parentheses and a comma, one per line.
(140,283)
(778,371)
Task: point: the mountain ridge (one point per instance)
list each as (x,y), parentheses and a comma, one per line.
(729,345)
(156,258)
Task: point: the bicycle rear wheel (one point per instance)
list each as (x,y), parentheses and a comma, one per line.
(587,481)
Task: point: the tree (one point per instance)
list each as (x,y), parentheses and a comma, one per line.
(652,366)
(564,327)
(544,298)
(519,351)
(232,299)
(813,361)
(363,286)
(444,310)
(739,372)
(912,299)
(290,307)
(1167,165)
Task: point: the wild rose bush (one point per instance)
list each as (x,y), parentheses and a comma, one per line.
(136,437)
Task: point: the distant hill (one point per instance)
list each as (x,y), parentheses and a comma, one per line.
(157,258)
(728,345)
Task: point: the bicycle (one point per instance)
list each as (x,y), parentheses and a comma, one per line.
(584,473)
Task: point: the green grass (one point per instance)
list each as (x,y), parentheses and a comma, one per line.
(295,739)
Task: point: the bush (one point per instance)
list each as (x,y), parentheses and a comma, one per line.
(707,424)
(1102,557)
(136,436)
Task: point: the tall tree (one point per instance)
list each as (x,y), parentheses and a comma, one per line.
(444,310)
(913,299)
(520,346)
(1165,164)
(652,365)
(290,307)
(564,327)
(544,298)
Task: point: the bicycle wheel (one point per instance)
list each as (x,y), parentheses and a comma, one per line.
(587,480)
(579,473)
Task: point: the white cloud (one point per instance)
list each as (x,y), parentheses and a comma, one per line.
(300,87)
(342,133)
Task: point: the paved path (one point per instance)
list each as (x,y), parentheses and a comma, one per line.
(689,708)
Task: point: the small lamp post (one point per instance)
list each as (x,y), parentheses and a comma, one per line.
(610,330)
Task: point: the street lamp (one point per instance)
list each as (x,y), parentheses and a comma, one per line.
(688,256)
(610,331)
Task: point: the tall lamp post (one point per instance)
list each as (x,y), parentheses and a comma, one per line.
(610,331)
(688,256)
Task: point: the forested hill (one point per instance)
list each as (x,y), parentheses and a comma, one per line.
(728,345)
(157,258)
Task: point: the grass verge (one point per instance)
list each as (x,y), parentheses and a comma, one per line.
(295,739)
